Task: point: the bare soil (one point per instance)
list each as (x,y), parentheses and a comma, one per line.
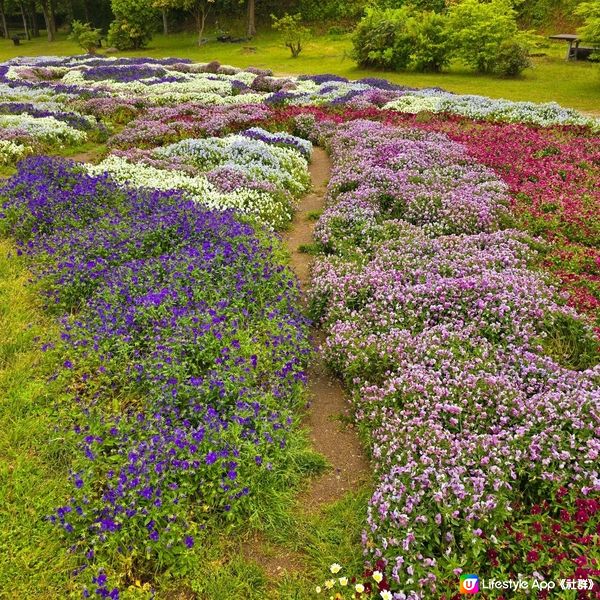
(327,419)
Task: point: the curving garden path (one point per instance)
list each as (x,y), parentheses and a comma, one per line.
(328,414)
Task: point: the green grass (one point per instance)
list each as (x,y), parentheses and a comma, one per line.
(572,84)
(33,457)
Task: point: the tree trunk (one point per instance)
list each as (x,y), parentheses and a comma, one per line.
(86,12)
(25,26)
(52,17)
(5,31)
(33,24)
(47,19)
(251,19)
(201,16)
(165,20)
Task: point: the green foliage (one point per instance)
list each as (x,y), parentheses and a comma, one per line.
(424,5)
(294,33)
(133,25)
(479,30)
(331,10)
(590,32)
(401,39)
(512,59)
(430,42)
(85,36)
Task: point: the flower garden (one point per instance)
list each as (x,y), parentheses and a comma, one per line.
(456,279)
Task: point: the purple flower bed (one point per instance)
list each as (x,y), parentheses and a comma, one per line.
(184,336)
(455,350)
(384,172)
(161,126)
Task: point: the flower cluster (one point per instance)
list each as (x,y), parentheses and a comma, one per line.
(184,342)
(440,328)
(480,107)
(384,172)
(372,584)
(552,175)
(160,126)
(254,177)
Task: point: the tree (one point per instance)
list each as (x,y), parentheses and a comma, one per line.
(590,32)
(5,32)
(200,9)
(49,19)
(294,33)
(251,19)
(478,30)
(87,37)
(133,25)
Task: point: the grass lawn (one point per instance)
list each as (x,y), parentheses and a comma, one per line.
(573,84)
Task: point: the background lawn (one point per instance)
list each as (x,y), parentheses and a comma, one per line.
(572,84)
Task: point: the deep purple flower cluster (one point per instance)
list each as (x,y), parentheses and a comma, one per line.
(185,340)
(123,73)
(323,78)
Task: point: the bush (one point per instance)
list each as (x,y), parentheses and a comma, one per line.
(86,36)
(512,59)
(133,25)
(295,35)
(478,30)
(402,38)
(431,50)
(590,32)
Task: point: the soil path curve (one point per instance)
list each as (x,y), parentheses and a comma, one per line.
(327,418)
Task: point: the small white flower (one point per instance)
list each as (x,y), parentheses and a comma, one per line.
(335,568)
(359,587)
(343,581)
(386,595)
(378,576)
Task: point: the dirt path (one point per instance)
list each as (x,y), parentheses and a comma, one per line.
(327,418)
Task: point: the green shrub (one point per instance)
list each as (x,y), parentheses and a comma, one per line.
(380,39)
(430,40)
(590,32)
(478,30)
(420,5)
(85,36)
(402,38)
(133,25)
(512,59)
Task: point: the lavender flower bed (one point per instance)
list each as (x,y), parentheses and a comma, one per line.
(383,172)
(184,336)
(439,325)
(161,126)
